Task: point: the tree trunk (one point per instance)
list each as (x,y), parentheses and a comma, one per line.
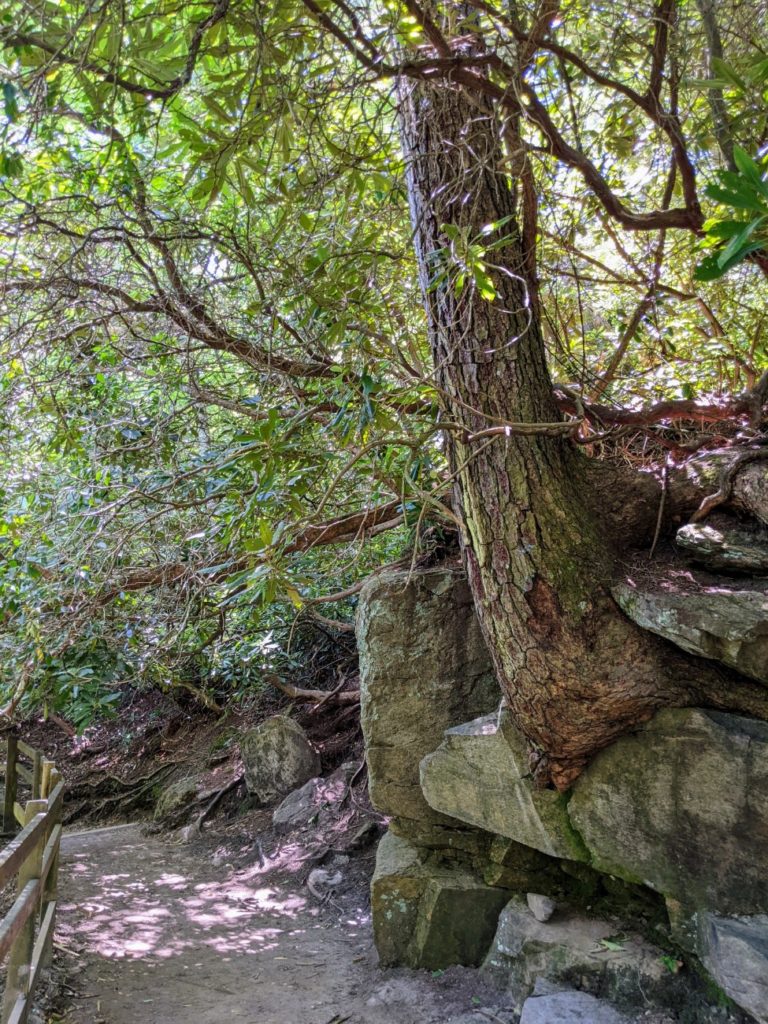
(576,673)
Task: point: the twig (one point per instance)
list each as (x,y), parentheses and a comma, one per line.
(662,503)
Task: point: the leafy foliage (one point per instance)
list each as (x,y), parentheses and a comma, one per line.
(213,349)
(746,191)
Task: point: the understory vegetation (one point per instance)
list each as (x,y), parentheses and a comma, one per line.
(222,404)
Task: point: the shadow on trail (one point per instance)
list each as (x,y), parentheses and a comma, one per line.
(164,937)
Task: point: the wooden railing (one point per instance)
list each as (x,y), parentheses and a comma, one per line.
(32,858)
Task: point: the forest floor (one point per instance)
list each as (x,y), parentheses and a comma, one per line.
(154,933)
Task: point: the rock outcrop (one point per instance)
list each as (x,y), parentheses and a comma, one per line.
(668,826)
(277,758)
(682,806)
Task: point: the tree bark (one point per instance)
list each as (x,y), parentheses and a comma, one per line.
(576,673)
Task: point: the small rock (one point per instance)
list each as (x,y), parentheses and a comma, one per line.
(321,881)
(484,1015)
(569,1007)
(399,990)
(299,807)
(364,836)
(542,907)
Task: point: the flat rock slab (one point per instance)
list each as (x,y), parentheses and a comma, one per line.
(724,620)
(479,774)
(723,545)
(570,1008)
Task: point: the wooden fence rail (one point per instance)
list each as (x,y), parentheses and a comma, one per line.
(32,858)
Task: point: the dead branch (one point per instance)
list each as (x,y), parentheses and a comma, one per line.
(298,693)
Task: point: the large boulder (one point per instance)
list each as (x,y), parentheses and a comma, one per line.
(479,774)
(682,806)
(277,758)
(424,666)
(715,619)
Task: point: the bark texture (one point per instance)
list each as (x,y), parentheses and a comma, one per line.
(576,673)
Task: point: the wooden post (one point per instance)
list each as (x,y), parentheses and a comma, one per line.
(20,956)
(45,778)
(9,799)
(51,888)
(37,774)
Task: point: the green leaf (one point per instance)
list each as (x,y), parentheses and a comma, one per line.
(751,170)
(738,243)
(727,72)
(10,102)
(741,200)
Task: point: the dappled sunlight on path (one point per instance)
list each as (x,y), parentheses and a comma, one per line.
(164,942)
(165,937)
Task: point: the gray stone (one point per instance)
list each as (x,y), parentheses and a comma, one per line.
(277,757)
(735,952)
(723,545)
(682,806)
(724,622)
(299,807)
(310,801)
(424,666)
(479,774)
(176,795)
(575,949)
(542,907)
(570,1007)
(397,886)
(429,914)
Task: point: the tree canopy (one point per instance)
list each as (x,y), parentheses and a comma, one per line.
(218,401)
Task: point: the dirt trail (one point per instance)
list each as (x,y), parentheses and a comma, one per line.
(167,938)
